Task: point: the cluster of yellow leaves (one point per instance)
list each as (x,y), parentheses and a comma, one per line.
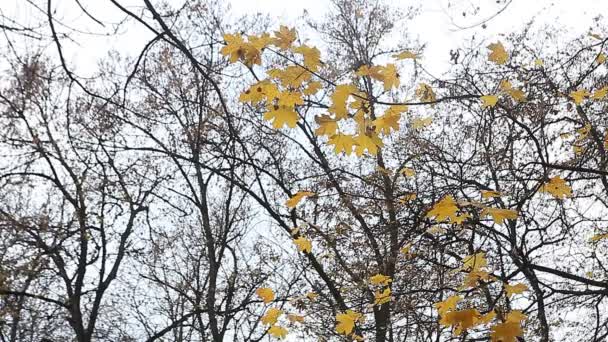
(380,279)
(272,315)
(515,93)
(386,74)
(460,320)
(579,95)
(381,297)
(557,187)
(475,266)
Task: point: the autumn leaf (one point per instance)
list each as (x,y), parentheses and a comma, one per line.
(293,318)
(407,172)
(515,289)
(407,198)
(517,94)
(365,142)
(488,101)
(499,215)
(490,194)
(390,119)
(293,201)
(260,91)
(346,321)
(380,279)
(461,321)
(444,209)
(277,332)
(327,125)
(474,262)
(598,237)
(600,93)
(312,88)
(578,96)
(420,123)
(425,93)
(447,305)
(405,55)
(266,294)
(312,296)
(304,245)
(281,116)
(284,37)
(339,99)
(498,54)
(539,62)
(383,297)
(557,187)
(312,56)
(601,58)
(510,329)
(271,317)
(342,143)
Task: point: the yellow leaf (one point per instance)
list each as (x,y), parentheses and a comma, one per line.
(406,249)
(407,198)
(579,95)
(425,93)
(420,123)
(600,93)
(490,194)
(405,55)
(266,294)
(382,297)
(557,187)
(487,318)
(499,215)
(539,62)
(447,305)
(346,321)
(365,142)
(304,245)
(474,262)
(295,199)
(327,125)
(505,85)
(390,119)
(516,316)
(312,296)
(461,321)
(293,318)
(444,210)
(339,99)
(260,91)
(517,94)
(282,115)
(601,58)
(506,332)
(515,289)
(272,316)
(380,279)
(277,332)
(284,37)
(342,143)
(312,56)
(312,88)
(489,101)
(598,237)
(292,76)
(498,54)
(595,35)
(408,172)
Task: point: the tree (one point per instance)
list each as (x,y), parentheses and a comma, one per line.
(233,182)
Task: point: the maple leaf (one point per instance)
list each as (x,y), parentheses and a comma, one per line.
(578,96)
(293,201)
(365,142)
(342,143)
(420,123)
(312,88)
(289,98)
(517,94)
(408,198)
(487,318)
(539,62)
(461,320)
(601,58)
(474,262)
(380,279)
(510,329)
(293,318)
(383,297)
(600,93)
(505,85)
(234,48)
(292,76)
(272,316)
(390,77)
(447,305)
(598,237)
(327,125)
(312,56)
(444,209)
(499,215)
(488,101)
(425,93)
(346,321)
(557,187)
(312,296)
(498,54)
(490,194)
(405,55)
(339,99)
(304,245)
(515,289)
(390,119)
(266,294)
(260,91)
(277,332)
(284,37)
(281,116)
(407,172)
